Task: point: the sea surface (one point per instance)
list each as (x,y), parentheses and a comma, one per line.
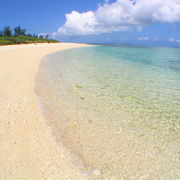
(117,108)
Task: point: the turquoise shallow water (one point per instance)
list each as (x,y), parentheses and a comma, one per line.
(116,107)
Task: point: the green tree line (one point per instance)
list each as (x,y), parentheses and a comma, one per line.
(18,31)
(20,35)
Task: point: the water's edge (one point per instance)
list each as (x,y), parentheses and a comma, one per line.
(55,125)
(63,129)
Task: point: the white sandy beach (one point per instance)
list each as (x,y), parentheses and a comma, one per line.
(27,149)
(114,148)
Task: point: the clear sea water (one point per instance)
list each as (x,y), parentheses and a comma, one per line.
(117,108)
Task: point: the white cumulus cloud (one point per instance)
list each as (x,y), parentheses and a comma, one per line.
(143,38)
(174,40)
(79,23)
(121,16)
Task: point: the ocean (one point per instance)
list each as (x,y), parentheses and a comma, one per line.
(117,108)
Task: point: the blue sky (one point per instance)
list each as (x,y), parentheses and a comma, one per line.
(97,21)
(40,15)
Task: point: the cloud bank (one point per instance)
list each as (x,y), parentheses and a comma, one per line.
(143,38)
(122,15)
(174,40)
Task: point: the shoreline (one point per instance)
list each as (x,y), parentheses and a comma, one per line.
(70,91)
(27,148)
(2,45)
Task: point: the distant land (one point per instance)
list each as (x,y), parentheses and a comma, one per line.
(19,36)
(134,44)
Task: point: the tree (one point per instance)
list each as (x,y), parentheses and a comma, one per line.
(41,36)
(1,33)
(7,31)
(30,35)
(18,31)
(23,32)
(34,35)
(47,35)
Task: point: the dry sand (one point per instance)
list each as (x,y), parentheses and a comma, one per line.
(27,149)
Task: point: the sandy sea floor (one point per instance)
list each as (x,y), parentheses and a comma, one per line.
(120,118)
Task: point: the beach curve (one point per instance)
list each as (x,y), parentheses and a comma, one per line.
(27,149)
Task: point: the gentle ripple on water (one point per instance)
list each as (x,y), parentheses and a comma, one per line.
(117,108)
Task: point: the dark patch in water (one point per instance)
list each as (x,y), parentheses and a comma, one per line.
(178,61)
(78,86)
(82,98)
(175,68)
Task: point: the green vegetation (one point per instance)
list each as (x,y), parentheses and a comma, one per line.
(19,36)
(4,40)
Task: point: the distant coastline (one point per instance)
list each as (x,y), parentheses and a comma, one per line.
(5,40)
(23,40)
(129,44)
(18,35)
